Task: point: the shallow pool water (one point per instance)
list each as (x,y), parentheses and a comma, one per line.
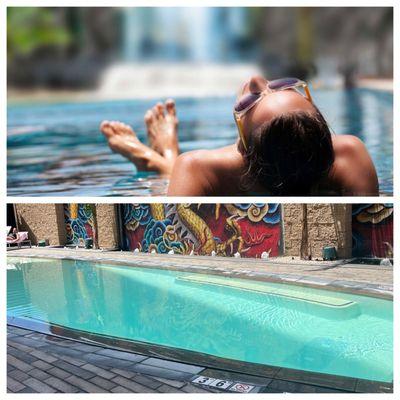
(259,322)
(56,148)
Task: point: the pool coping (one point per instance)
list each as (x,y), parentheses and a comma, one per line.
(337,285)
(205,361)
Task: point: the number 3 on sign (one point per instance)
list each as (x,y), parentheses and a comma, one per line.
(203,380)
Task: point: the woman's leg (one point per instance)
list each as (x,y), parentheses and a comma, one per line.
(162,130)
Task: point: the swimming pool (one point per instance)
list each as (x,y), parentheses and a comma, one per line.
(238,319)
(57,149)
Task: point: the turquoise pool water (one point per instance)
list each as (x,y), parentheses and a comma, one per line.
(266,323)
(56,149)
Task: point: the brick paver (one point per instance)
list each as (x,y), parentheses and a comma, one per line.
(104,373)
(132,385)
(74,370)
(84,384)
(18,364)
(58,373)
(39,386)
(120,389)
(125,374)
(168,389)
(13,385)
(61,385)
(103,383)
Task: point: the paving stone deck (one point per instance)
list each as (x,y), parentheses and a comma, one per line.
(39,363)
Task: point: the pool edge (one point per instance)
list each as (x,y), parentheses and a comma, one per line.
(369,290)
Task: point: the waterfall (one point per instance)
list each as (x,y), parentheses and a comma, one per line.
(175,51)
(200,34)
(175,34)
(132,33)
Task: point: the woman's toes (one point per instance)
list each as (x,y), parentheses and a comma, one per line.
(156,112)
(116,126)
(170,106)
(148,118)
(128,129)
(106,128)
(160,109)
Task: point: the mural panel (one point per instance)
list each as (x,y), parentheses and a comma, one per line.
(79,223)
(226,229)
(372,230)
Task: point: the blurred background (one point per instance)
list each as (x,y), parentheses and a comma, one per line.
(70,68)
(147,51)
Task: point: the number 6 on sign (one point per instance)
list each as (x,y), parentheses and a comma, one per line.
(221,384)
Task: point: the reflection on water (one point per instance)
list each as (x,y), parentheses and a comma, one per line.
(57,149)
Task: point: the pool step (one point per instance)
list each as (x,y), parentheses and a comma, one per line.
(301,299)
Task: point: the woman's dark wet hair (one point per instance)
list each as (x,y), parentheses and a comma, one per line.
(289,155)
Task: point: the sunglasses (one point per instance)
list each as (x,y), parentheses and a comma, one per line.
(249,100)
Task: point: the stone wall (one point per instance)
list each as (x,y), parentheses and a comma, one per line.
(328,225)
(107,226)
(47,221)
(42,221)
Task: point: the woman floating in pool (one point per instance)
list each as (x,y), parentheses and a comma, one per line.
(284,147)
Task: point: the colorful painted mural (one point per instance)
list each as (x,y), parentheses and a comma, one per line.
(225,229)
(79,223)
(372,230)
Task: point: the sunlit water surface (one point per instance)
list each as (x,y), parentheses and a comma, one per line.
(56,149)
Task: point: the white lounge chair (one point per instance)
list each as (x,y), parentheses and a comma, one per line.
(22,238)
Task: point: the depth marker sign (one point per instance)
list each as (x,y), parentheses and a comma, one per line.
(223,384)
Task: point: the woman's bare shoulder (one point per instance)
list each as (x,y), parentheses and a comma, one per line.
(353,169)
(205,172)
(347,144)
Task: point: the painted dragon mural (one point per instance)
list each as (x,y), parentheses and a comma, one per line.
(225,229)
(372,230)
(79,223)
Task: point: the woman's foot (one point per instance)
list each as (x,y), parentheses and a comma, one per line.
(162,129)
(123,140)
